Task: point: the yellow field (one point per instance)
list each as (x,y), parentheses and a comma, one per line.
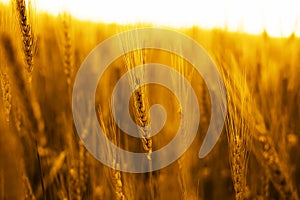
(42,157)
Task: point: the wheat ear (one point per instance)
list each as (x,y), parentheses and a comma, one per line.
(276,169)
(27,36)
(141,102)
(262,145)
(67,49)
(238,132)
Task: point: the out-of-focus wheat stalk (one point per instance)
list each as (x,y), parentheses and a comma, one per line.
(276,169)
(266,187)
(6,94)
(82,168)
(67,49)
(74,188)
(19,90)
(28,189)
(78,175)
(179,65)
(78,172)
(55,168)
(10,166)
(111,130)
(2,194)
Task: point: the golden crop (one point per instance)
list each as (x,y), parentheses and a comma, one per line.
(42,157)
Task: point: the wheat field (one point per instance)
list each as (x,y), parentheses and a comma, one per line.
(41,156)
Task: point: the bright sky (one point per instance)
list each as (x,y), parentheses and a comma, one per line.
(279,17)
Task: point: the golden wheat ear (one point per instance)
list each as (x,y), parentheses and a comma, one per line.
(276,169)
(141,105)
(237,128)
(27,35)
(68,49)
(247,132)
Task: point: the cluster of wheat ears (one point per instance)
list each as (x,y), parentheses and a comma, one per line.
(41,156)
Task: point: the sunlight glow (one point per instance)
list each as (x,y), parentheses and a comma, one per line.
(278,17)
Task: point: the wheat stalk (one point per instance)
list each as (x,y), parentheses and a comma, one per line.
(262,144)
(179,65)
(74,188)
(265,190)
(238,131)
(28,190)
(77,175)
(140,102)
(67,49)
(6,94)
(111,130)
(27,36)
(28,49)
(276,169)
(55,168)
(82,168)
(2,190)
